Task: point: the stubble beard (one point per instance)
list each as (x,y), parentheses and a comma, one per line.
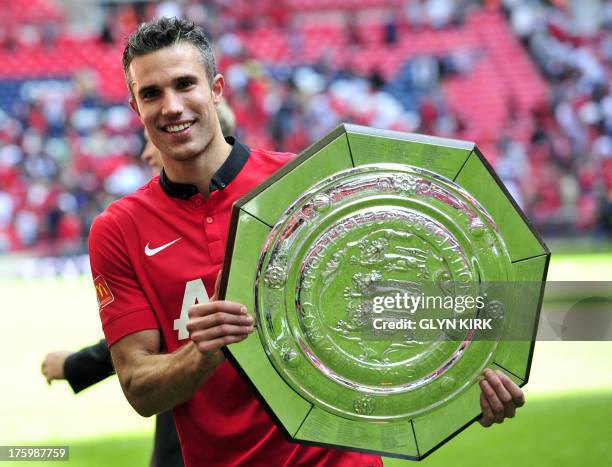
(189,153)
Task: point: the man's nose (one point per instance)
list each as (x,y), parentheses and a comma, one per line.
(172,104)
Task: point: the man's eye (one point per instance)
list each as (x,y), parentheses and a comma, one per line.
(149,94)
(184,84)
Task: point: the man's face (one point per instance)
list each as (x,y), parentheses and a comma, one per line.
(151,156)
(175,102)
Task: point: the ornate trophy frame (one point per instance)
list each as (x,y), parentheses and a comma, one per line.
(366,214)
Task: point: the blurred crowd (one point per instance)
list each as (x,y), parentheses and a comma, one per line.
(66,152)
(570,149)
(63,158)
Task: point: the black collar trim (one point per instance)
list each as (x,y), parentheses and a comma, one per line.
(226,173)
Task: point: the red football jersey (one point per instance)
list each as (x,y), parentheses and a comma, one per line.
(157,252)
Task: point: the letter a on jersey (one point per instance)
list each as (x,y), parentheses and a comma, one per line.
(195,293)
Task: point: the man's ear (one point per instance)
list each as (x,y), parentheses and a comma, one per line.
(134,106)
(216,88)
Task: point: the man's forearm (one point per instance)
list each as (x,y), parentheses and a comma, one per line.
(153,383)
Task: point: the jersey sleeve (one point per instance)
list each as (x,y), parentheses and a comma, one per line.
(124,308)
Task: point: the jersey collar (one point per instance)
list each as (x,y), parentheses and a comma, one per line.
(226,173)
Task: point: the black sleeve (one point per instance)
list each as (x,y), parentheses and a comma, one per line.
(167,448)
(88,366)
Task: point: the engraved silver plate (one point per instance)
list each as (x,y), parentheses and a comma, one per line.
(375,230)
(360,218)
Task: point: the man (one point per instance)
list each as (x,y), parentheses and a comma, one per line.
(92,364)
(156,257)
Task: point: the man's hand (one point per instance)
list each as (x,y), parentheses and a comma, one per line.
(218,323)
(499,397)
(53,365)
(154,382)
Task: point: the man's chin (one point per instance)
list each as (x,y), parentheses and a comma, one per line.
(183,156)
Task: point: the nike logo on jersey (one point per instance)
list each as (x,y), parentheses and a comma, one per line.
(154,251)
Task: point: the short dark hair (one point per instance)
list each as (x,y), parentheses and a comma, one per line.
(165,32)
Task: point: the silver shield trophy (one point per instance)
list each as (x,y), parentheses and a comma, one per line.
(331,255)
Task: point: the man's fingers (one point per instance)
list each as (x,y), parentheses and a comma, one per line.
(487,413)
(45,372)
(215,296)
(224,306)
(218,319)
(517,393)
(509,411)
(220,331)
(501,392)
(218,323)
(495,381)
(493,400)
(216,344)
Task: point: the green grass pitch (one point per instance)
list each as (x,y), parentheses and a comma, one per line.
(567,420)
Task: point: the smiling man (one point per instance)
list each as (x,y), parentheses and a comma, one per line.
(156,257)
